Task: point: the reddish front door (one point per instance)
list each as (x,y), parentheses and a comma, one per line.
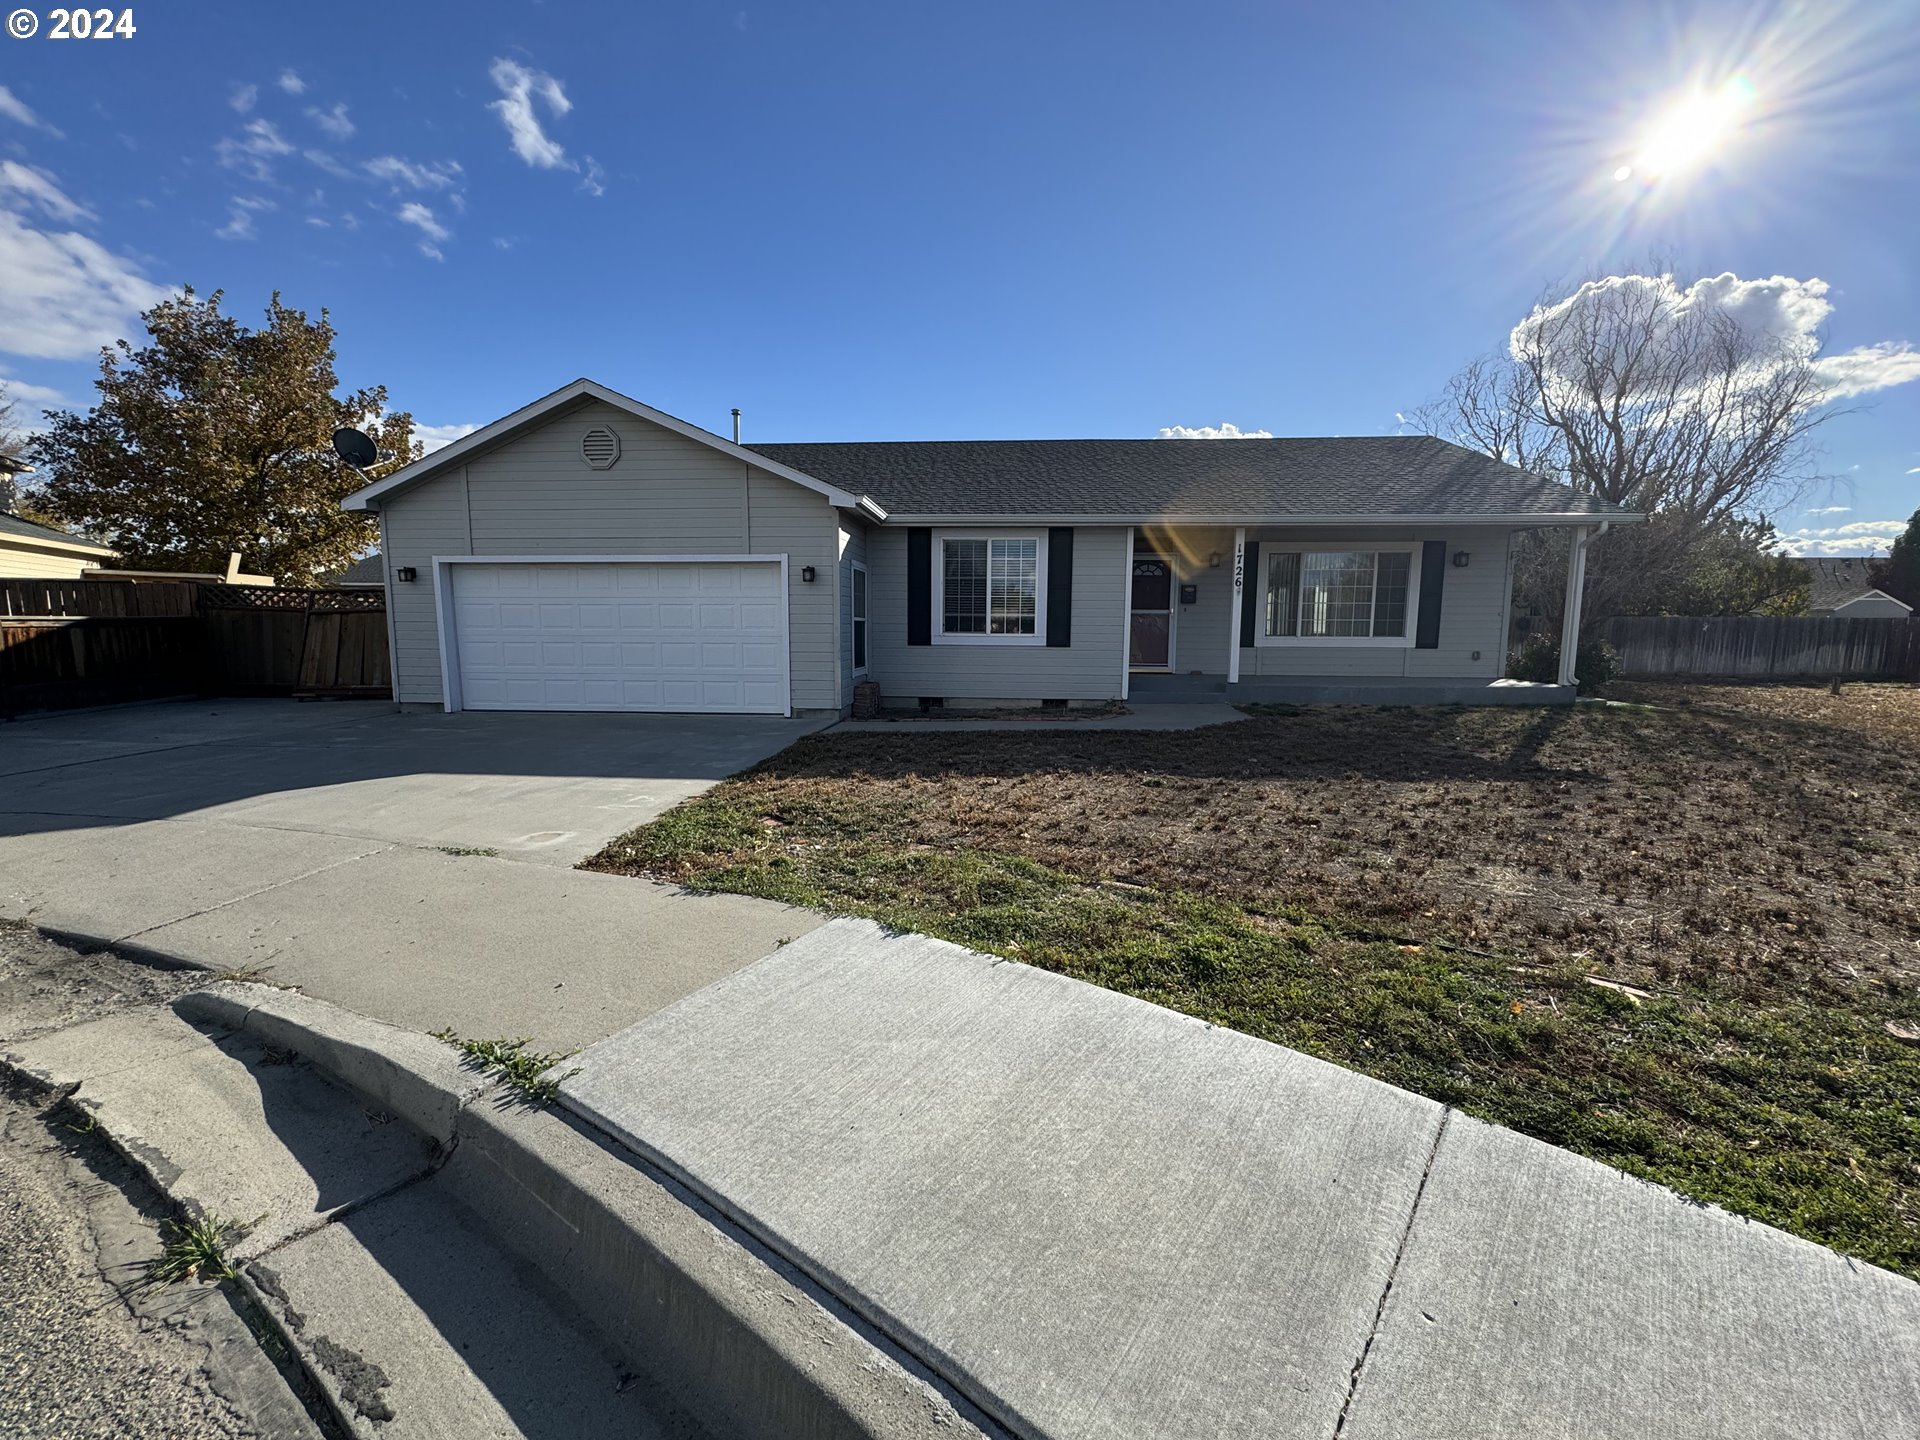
(1150,636)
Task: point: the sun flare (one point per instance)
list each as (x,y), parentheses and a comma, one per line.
(1691,131)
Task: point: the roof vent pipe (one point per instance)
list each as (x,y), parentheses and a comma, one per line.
(736,424)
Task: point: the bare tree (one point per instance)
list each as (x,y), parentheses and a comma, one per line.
(1660,400)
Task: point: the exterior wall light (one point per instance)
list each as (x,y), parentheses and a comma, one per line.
(405,574)
(1213,560)
(1460,558)
(807,573)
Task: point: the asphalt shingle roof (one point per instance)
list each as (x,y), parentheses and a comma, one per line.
(1836,579)
(11,524)
(1362,476)
(367,570)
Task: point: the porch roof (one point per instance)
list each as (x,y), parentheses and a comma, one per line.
(1352,479)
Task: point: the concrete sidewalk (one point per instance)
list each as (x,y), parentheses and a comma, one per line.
(1101,1218)
(1146,717)
(310,842)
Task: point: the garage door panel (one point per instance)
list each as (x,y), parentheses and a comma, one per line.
(638,635)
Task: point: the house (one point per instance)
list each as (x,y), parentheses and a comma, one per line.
(1842,586)
(29,550)
(369,572)
(589,552)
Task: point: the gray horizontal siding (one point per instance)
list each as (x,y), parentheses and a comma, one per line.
(1088,669)
(1473,607)
(667,495)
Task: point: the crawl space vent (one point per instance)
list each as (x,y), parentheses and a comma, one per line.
(600,447)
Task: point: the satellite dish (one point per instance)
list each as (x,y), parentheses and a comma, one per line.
(354,447)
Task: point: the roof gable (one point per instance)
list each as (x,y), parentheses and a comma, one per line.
(548,406)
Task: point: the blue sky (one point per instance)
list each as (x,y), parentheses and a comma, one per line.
(900,220)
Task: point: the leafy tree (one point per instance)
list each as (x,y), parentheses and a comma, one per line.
(215,438)
(1899,573)
(1661,400)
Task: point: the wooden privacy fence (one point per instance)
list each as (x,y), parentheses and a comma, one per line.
(90,642)
(1756,647)
(276,642)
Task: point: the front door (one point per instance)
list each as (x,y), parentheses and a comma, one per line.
(1150,636)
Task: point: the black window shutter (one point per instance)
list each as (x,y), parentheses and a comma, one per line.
(1060,587)
(919,586)
(1253,593)
(1433,574)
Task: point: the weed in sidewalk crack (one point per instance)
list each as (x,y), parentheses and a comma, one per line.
(522,1069)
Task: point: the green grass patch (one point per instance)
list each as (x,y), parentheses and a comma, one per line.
(524,1071)
(1803,1114)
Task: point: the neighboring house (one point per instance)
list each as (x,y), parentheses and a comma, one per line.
(589,552)
(1842,586)
(367,573)
(29,550)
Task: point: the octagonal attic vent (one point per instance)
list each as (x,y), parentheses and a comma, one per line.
(600,447)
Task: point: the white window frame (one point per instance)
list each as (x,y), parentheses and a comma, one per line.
(940,636)
(1271,548)
(859,601)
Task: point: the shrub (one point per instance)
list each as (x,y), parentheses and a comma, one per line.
(1539,661)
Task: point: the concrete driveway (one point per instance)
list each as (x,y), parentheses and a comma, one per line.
(313,840)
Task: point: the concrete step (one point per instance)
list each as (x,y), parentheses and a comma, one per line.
(408,1315)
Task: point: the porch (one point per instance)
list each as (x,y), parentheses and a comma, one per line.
(1150,689)
(1354,614)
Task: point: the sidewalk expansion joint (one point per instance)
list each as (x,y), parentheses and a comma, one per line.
(251,894)
(1393,1270)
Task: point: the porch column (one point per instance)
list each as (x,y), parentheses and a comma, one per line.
(1126,619)
(1239,587)
(1570,611)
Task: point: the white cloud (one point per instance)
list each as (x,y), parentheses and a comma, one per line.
(42,190)
(252,154)
(334,121)
(29,400)
(291,83)
(65,295)
(1868,368)
(437,437)
(17,110)
(318,223)
(1856,538)
(1830,510)
(325,161)
(243,97)
(593,182)
(431,230)
(1222,431)
(519,87)
(1781,309)
(399,173)
(240,212)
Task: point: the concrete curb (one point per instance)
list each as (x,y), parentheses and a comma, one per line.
(405,1073)
(735,1336)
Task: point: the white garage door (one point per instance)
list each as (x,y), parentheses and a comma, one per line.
(620,635)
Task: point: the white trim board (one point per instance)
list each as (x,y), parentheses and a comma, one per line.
(486,436)
(450,695)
